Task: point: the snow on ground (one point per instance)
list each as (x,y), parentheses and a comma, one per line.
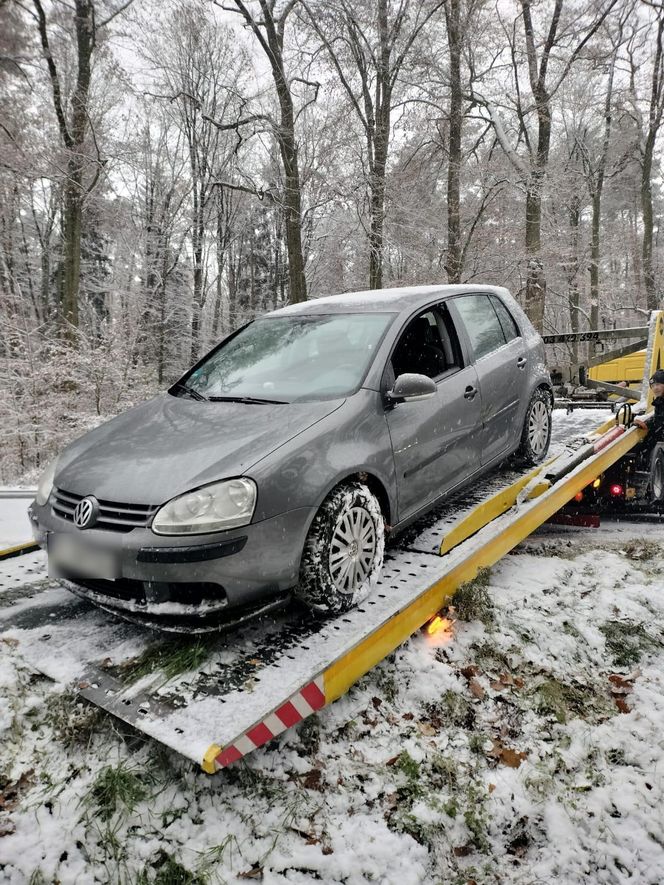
(14,523)
(522,745)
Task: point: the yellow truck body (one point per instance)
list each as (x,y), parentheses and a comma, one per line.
(627,368)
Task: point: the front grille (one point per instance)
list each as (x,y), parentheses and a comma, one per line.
(113,516)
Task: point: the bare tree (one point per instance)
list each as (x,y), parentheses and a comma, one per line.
(647,128)
(268,26)
(561,40)
(83,166)
(369,43)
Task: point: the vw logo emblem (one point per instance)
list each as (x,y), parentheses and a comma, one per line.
(86,513)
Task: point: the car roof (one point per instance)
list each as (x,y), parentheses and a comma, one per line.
(381,300)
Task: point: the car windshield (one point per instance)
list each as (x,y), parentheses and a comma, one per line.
(287,358)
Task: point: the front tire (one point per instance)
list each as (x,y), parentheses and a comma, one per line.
(343,553)
(536,433)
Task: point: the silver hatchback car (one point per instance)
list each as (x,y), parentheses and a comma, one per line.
(275,465)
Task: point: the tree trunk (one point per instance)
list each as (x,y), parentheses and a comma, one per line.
(647,211)
(594,260)
(73,134)
(377,216)
(292,196)
(454,249)
(535,281)
(573,272)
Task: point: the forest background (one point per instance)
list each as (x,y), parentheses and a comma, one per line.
(170,169)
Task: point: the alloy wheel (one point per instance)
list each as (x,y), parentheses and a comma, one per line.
(352,550)
(538,427)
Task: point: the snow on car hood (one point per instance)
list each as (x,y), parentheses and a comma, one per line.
(171,444)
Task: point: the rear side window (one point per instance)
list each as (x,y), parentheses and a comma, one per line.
(510,328)
(482,324)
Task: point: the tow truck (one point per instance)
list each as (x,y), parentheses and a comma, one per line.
(216,698)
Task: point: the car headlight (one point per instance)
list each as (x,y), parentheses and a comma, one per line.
(46,483)
(213,508)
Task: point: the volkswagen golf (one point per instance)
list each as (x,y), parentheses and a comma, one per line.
(276,465)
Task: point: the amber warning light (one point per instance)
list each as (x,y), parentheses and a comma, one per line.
(437,624)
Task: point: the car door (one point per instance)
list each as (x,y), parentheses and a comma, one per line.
(436,441)
(499,355)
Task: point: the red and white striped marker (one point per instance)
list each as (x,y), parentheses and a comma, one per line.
(300,705)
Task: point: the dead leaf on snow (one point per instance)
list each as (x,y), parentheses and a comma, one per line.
(376,702)
(470,671)
(463,850)
(622,705)
(623,684)
(476,689)
(506,755)
(10,641)
(312,779)
(327,849)
(426,728)
(253,873)
(492,787)
(408,716)
(393,760)
(9,793)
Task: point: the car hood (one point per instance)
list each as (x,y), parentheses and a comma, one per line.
(171,444)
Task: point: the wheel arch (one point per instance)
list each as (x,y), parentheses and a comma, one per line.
(375,485)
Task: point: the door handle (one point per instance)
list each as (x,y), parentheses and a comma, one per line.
(521,362)
(469,392)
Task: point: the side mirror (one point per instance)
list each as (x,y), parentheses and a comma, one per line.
(410,387)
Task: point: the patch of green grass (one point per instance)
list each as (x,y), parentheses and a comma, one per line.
(476,742)
(472,601)
(453,709)
(309,732)
(475,818)
(421,832)
(116,788)
(490,659)
(451,808)
(73,720)
(170,658)
(626,642)
(642,551)
(565,701)
(408,766)
(215,855)
(444,772)
(171,872)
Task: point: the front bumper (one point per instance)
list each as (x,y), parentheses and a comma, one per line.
(239,568)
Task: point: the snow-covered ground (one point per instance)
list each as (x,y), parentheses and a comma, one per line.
(523,743)
(14,523)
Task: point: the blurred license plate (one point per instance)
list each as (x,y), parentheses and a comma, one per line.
(72,556)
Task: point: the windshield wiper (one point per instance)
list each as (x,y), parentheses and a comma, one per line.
(247,399)
(185,390)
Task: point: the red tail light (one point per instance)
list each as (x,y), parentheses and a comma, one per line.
(617,490)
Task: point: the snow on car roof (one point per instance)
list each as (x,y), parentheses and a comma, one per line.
(370,300)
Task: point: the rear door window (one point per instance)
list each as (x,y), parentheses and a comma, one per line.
(483,327)
(510,328)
